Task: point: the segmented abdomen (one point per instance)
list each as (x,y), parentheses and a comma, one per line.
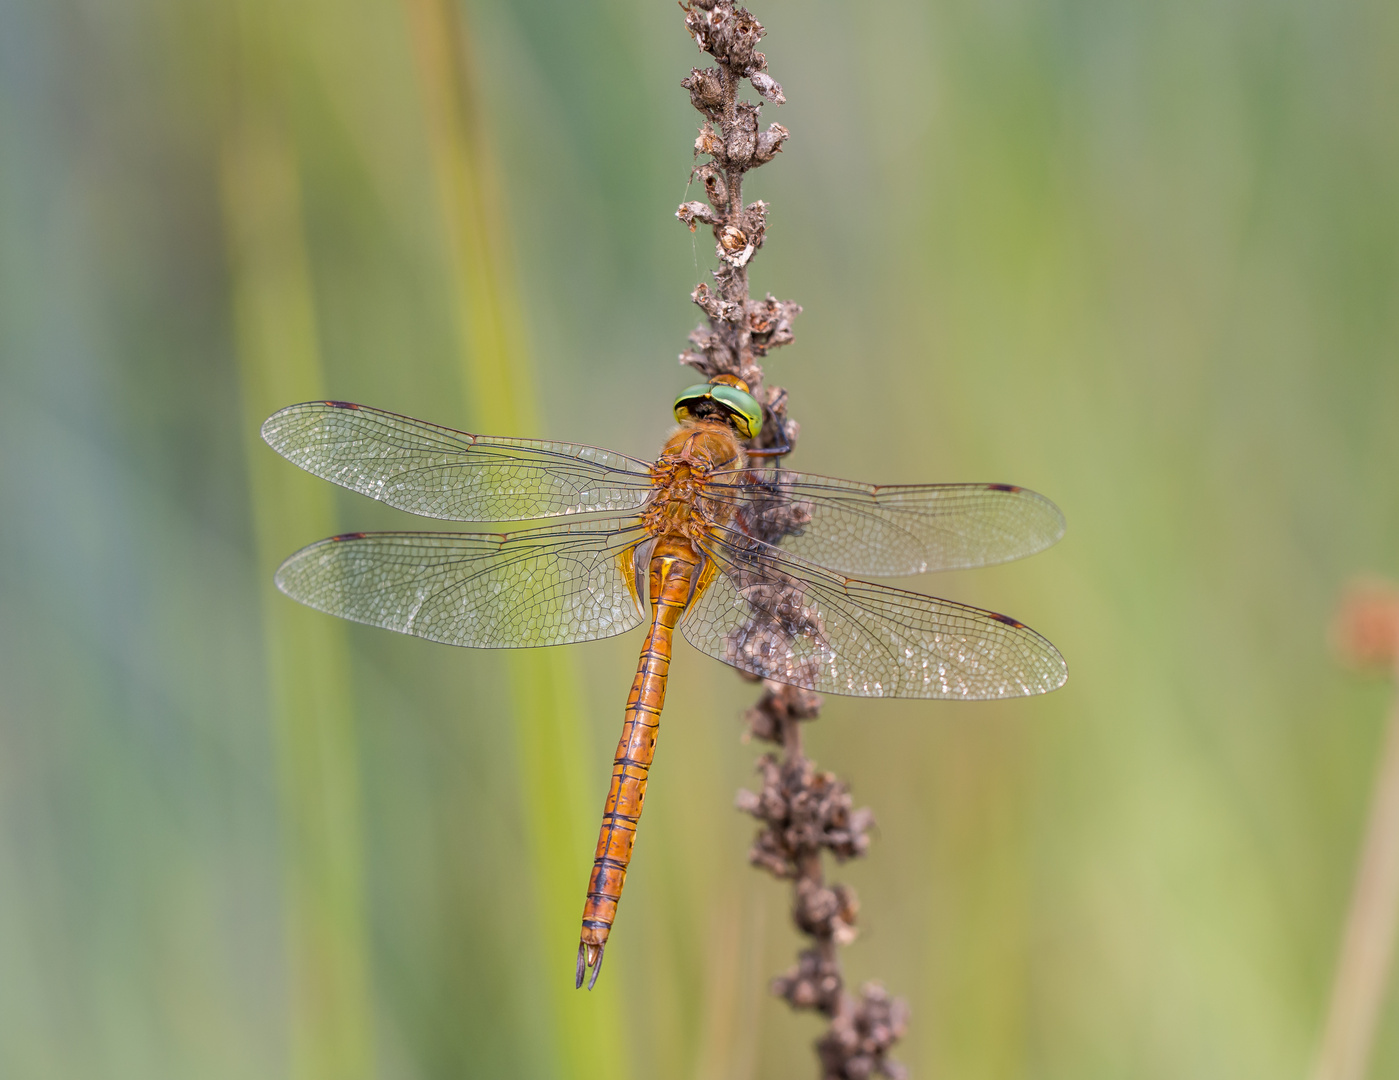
(674,564)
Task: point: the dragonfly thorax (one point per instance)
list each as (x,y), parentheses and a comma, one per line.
(682,474)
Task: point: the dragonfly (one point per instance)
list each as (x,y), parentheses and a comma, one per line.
(747,559)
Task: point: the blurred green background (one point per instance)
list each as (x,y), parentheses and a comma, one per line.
(1143,258)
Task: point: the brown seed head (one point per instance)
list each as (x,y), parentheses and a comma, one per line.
(693,213)
(715,190)
(742,135)
(710,143)
(814,983)
(770,143)
(706,91)
(766,85)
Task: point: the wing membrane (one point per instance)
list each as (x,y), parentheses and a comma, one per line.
(780,618)
(437,472)
(536,587)
(890,530)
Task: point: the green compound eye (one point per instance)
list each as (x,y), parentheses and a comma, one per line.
(747,413)
(689,398)
(741,407)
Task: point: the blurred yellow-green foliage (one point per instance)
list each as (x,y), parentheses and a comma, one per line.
(1141,257)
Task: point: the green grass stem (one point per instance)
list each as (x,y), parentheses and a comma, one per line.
(307,654)
(499,386)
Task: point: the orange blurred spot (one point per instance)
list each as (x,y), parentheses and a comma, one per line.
(1366,629)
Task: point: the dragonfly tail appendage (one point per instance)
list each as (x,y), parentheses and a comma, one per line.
(589,956)
(672,570)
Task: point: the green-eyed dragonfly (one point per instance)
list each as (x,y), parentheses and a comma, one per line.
(748,562)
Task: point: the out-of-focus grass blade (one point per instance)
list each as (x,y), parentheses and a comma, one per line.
(311,707)
(500,392)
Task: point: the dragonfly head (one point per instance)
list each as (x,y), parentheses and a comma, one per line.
(726,398)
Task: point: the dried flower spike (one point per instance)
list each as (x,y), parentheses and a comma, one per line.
(803,810)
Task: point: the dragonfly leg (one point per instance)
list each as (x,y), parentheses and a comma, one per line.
(771,451)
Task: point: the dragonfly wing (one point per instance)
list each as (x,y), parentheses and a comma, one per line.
(437,472)
(536,587)
(780,618)
(889,530)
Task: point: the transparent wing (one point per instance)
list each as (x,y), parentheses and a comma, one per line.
(888,530)
(780,618)
(537,587)
(437,472)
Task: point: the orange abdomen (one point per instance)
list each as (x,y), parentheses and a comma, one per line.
(674,564)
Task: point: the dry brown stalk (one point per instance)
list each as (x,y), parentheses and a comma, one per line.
(804,811)
(1367,636)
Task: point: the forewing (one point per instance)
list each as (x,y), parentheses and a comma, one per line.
(780,618)
(535,587)
(888,530)
(437,472)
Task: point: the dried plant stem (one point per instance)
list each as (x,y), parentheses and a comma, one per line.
(803,810)
(1369,632)
(1367,950)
